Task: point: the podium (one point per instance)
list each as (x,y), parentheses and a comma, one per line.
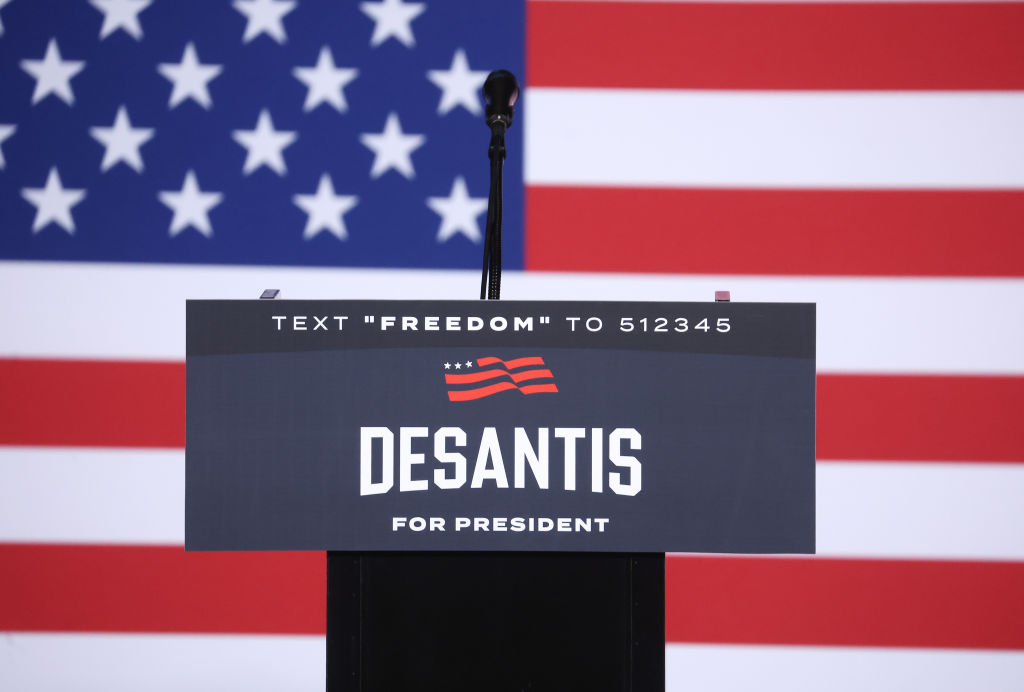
(496,621)
(496,483)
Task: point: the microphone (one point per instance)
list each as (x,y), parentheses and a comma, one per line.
(501,91)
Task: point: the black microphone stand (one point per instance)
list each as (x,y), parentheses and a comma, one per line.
(501,93)
(490,282)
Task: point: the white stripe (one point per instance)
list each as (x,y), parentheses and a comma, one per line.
(774,139)
(56,495)
(912,510)
(865,509)
(119,311)
(730,668)
(49,662)
(161,663)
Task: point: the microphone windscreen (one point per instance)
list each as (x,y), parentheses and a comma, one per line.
(501,91)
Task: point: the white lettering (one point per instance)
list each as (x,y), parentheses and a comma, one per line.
(366,437)
(570,435)
(597,460)
(616,457)
(613,460)
(457,460)
(407,458)
(538,459)
(489,449)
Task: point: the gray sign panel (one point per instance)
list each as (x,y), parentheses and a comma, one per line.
(473,425)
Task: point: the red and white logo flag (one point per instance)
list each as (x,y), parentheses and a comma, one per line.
(497,376)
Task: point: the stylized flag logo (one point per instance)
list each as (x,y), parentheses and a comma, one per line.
(498,375)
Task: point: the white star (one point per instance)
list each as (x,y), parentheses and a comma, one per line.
(53,203)
(191,206)
(264,17)
(458,212)
(469,363)
(460,86)
(392,18)
(325,82)
(458,365)
(392,148)
(447,366)
(53,75)
(5,132)
(2,3)
(264,144)
(122,141)
(121,14)
(325,209)
(190,78)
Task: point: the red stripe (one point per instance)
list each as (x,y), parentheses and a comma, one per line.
(478,376)
(776,45)
(538,388)
(480,392)
(815,232)
(160,589)
(512,364)
(708,599)
(92,403)
(967,605)
(883,417)
(920,418)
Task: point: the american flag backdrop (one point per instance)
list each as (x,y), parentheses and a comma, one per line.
(868,157)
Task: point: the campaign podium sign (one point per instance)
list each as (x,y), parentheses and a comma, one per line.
(362,425)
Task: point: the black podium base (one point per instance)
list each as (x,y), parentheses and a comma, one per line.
(495,621)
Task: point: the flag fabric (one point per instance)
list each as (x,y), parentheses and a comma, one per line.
(868,157)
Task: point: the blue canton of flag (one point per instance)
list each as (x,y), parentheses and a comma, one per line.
(296,132)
